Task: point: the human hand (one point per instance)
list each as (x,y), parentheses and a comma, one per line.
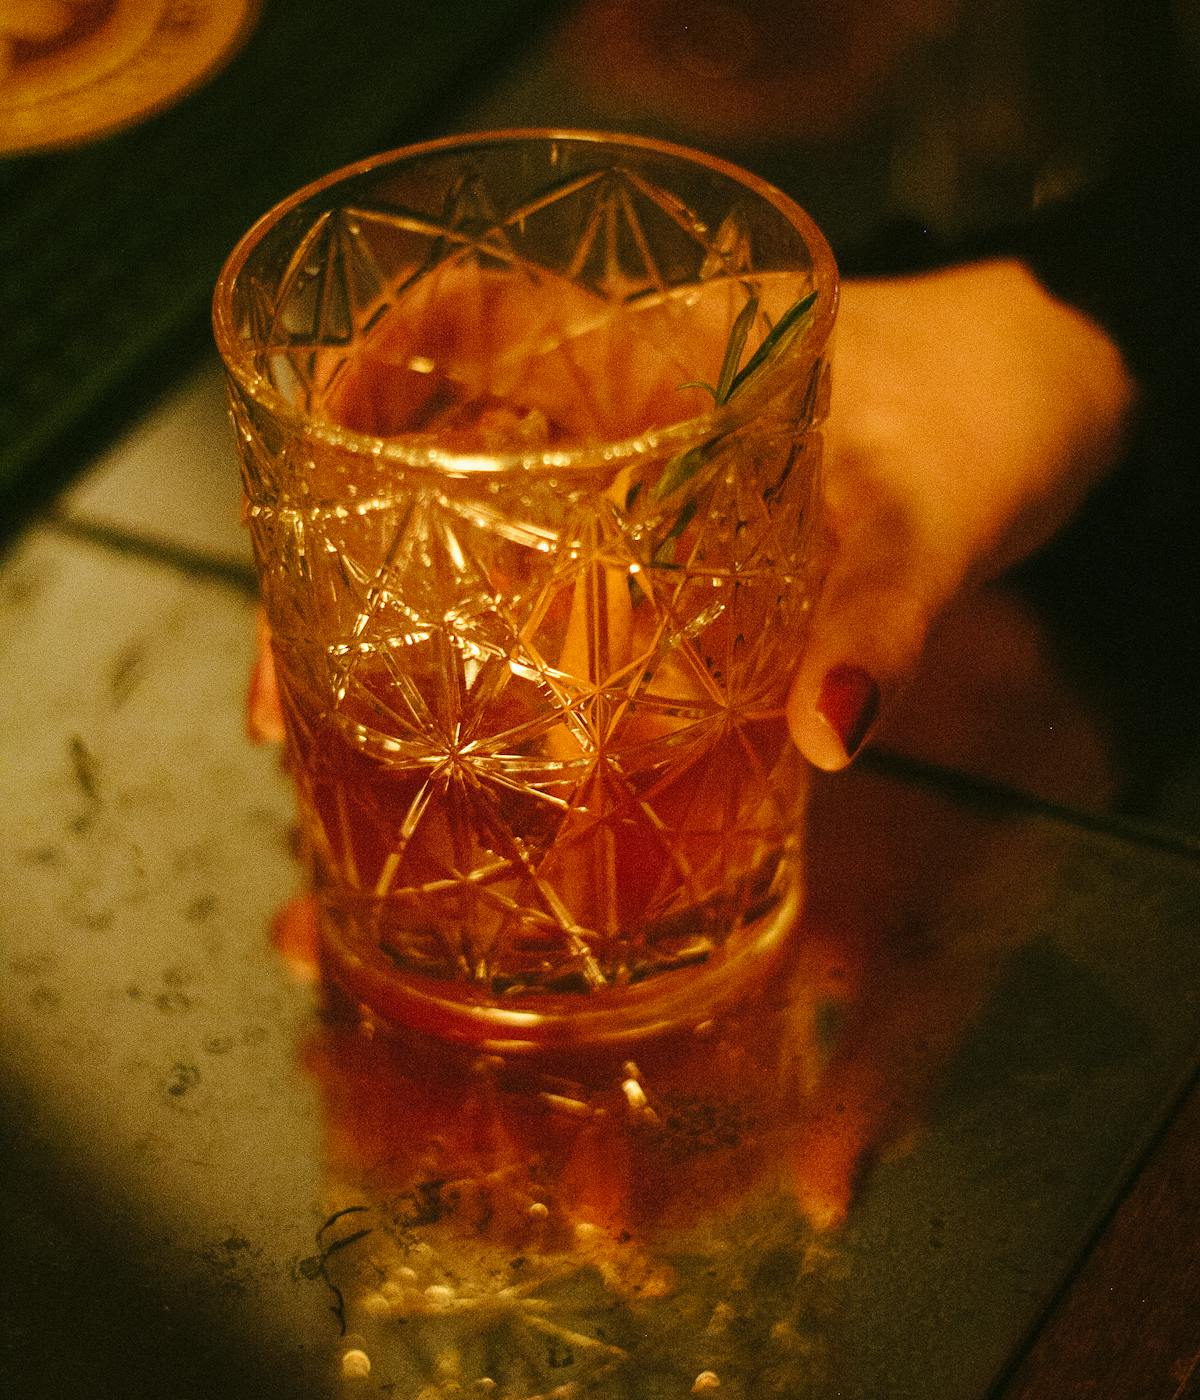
(971,414)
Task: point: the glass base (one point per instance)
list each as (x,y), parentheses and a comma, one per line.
(679,1000)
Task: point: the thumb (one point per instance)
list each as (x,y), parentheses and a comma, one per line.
(865,639)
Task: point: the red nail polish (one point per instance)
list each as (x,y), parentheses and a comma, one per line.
(848,703)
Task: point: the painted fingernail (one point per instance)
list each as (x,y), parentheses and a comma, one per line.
(848,703)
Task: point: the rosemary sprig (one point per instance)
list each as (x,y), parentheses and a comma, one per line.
(730,382)
(792,323)
(733,354)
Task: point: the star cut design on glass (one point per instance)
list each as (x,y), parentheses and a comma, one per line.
(587,249)
(536,720)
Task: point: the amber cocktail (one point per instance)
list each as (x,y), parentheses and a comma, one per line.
(529,431)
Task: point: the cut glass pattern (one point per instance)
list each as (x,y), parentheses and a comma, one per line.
(535,710)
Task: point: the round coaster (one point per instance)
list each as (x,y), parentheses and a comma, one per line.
(75,69)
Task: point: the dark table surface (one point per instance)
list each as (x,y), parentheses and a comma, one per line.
(952,1152)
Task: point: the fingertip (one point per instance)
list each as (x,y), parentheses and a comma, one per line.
(848,702)
(264,710)
(831,726)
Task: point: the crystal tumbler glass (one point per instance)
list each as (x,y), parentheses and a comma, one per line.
(529,427)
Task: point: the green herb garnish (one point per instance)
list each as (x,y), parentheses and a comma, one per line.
(733,354)
(730,382)
(793,321)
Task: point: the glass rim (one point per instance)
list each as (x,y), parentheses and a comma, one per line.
(417,452)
